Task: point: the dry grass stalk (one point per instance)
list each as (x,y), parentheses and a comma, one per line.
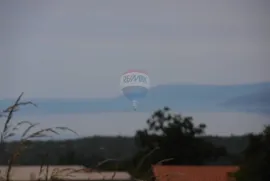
(10,131)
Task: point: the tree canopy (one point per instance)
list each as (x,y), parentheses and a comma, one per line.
(174,140)
(256,163)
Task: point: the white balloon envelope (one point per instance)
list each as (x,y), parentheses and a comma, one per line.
(134,85)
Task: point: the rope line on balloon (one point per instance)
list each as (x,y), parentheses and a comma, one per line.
(134,104)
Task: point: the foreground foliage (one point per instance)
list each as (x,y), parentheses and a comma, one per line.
(171,139)
(10,130)
(256,163)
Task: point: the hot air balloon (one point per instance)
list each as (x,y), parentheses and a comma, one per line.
(134,85)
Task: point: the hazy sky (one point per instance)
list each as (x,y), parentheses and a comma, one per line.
(80,48)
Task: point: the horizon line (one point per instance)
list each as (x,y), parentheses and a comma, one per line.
(168,84)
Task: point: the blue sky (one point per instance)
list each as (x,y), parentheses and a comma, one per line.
(78,49)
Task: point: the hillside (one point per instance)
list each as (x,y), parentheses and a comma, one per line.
(184,97)
(94,149)
(255,102)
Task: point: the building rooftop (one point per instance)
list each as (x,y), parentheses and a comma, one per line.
(69,172)
(193,173)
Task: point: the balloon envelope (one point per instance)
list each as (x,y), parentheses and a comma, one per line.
(134,92)
(135,85)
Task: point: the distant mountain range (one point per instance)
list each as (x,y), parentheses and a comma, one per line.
(255,102)
(179,97)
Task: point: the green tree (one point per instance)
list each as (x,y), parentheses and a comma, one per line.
(256,163)
(174,140)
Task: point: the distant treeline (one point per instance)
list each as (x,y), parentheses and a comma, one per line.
(89,151)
